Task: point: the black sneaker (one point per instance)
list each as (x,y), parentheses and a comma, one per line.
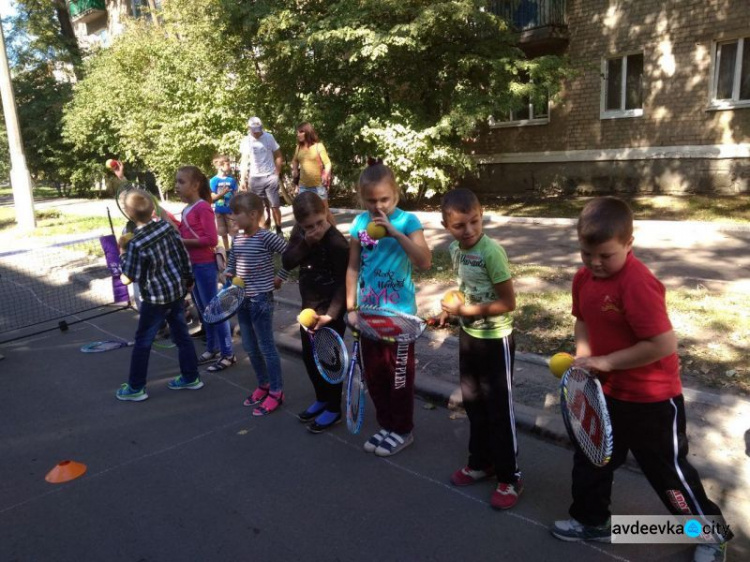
(279,231)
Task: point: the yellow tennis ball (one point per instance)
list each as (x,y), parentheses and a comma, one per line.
(307,318)
(560,362)
(454,297)
(238,281)
(376,231)
(125,279)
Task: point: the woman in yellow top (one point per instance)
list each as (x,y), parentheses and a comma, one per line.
(311,166)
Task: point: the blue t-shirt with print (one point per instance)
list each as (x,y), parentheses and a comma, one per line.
(218,183)
(385,269)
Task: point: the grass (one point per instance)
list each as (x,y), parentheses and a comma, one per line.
(709,208)
(713,327)
(40,191)
(51,222)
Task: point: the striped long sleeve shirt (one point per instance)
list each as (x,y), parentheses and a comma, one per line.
(251,258)
(156,258)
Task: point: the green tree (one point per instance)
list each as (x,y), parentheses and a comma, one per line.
(410,80)
(161,97)
(413,81)
(45,59)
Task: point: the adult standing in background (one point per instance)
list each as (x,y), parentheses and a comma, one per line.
(311,166)
(260,167)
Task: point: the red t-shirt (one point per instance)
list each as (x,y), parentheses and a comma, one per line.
(619,311)
(199,222)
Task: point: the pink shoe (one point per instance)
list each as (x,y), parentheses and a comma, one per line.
(258,395)
(270,404)
(506,495)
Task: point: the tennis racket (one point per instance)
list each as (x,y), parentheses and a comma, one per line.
(329,353)
(127,188)
(102,346)
(384,324)
(224,305)
(355,389)
(110,345)
(585,414)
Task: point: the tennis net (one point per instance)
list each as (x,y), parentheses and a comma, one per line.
(51,283)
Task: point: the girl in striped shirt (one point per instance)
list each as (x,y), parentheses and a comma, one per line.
(252,259)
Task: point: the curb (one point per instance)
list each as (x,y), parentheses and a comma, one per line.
(434,217)
(535,422)
(691,395)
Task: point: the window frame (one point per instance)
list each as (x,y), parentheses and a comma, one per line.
(734,102)
(531,122)
(621,113)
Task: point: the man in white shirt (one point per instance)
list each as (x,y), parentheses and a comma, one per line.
(260,164)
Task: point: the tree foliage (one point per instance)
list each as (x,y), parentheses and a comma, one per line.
(412,81)
(44,58)
(161,97)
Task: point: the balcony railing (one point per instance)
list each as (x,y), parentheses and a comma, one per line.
(85,10)
(524,15)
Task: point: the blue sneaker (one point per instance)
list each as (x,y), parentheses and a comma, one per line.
(574,531)
(179,383)
(128,393)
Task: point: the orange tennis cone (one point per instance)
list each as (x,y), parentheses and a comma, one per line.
(65,471)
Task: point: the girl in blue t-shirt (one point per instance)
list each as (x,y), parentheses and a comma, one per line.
(379,274)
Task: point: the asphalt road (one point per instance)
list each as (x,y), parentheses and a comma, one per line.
(192,476)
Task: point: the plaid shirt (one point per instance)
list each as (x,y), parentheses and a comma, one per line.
(157,259)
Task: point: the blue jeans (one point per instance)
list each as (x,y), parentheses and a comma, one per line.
(151,318)
(256,326)
(218,336)
(321,191)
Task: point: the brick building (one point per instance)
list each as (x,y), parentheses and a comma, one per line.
(96,21)
(660,103)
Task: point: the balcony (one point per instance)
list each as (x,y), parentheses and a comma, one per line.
(542,25)
(84,11)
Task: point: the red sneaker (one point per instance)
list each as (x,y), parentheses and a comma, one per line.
(466,476)
(506,495)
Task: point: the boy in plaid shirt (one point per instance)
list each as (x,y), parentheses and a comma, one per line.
(156,259)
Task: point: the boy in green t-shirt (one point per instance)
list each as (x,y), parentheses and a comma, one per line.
(487,348)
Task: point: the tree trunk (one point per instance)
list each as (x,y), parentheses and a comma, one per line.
(152,8)
(66,29)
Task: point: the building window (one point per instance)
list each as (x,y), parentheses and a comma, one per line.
(622,86)
(731,79)
(530,113)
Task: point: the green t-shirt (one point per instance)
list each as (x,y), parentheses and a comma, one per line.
(479,269)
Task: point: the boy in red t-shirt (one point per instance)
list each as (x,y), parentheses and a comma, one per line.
(623,333)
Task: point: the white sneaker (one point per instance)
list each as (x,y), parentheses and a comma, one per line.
(373,442)
(393,444)
(710,553)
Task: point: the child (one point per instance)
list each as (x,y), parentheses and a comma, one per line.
(487,349)
(223,187)
(156,258)
(379,274)
(311,166)
(252,259)
(322,253)
(623,334)
(198,231)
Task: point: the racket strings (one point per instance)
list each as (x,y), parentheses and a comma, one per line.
(224,305)
(589,418)
(332,357)
(389,328)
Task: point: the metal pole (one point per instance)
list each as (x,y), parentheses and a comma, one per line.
(20,180)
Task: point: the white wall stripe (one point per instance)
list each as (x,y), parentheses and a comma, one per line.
(705,151)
